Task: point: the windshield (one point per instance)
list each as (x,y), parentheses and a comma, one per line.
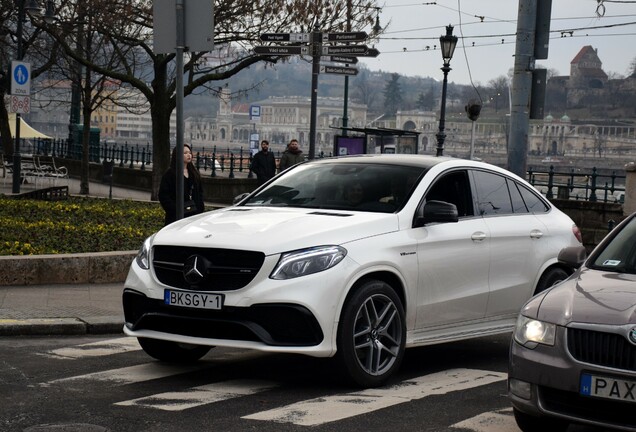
(369,187)
(620,254)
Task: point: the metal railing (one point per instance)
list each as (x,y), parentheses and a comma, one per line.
(590,186)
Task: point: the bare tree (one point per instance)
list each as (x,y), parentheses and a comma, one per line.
(127,25)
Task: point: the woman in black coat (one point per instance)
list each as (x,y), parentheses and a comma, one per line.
(192,189)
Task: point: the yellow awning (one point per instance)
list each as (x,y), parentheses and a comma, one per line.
(26,131)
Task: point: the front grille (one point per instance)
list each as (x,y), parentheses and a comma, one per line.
(601,348)
(272,324)
(227,269)
(615,413)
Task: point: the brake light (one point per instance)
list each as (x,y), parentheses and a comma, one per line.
(577,233)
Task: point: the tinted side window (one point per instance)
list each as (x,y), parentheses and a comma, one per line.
(454,188)
(533,201)
(493,197)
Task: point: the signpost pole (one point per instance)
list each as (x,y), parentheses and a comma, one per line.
(345,109)
(180,5)
(17,159)
(316,52)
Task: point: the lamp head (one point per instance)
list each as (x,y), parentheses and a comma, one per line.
(448,42)
(33,8)
(49,12)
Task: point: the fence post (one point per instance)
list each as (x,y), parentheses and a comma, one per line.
(132,163)
(143,159)
(593,187)
(231,175)
(549,194)
(213,174)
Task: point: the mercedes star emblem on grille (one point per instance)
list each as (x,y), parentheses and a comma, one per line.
(194,269)
(632,335)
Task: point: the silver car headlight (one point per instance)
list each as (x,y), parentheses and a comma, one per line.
(307,261)
(532,330)
(143,256)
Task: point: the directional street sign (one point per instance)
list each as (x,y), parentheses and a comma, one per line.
(342,59)
(339,70)
(285,37)
(345,49)
(281,50)
(344,37)
(351,50)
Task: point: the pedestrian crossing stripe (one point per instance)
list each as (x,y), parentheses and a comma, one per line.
(493,421)
(95,349)
(201,395)
(134,374)
(328,409)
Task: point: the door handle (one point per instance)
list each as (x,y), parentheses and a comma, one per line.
(478,236)
(536,234)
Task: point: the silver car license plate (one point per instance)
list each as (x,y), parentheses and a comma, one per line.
(608,388)
(193,299)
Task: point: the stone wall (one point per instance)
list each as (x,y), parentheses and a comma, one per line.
(85,268)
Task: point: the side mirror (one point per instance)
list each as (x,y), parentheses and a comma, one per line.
(435,211)
(237,199)
(573,256)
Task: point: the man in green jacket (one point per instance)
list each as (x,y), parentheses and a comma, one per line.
(291,156)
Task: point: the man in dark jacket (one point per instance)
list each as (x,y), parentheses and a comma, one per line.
(264,164)
(291,156)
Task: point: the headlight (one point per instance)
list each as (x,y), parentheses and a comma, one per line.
(532,330)
(307,261)
(143,256)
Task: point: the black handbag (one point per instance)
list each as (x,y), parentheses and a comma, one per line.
(189,206)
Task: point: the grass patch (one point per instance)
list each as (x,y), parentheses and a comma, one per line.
(76,225)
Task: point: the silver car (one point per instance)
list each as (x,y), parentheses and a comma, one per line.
(573,354)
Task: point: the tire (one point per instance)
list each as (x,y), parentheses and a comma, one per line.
(372,334)
(550,278)
(172,352)
(530,423)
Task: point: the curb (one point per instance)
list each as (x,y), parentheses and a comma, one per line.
(61,326)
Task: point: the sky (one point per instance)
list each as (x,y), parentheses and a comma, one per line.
(486,31)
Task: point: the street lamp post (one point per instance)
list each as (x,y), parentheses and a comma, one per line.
(447,44)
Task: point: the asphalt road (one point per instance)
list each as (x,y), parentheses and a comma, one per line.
(106,383)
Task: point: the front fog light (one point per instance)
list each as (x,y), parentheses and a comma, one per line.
(520,389)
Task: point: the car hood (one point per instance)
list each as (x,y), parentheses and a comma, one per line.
(590,296)
(274,230)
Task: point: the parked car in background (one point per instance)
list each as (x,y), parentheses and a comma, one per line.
(357,257)
(573,355)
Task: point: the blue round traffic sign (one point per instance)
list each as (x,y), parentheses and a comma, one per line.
(21,74)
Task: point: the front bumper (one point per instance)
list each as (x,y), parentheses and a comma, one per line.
(552,378)
(271,324)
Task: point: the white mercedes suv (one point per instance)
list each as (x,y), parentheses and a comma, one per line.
(358,257)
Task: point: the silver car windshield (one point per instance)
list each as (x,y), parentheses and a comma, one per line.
(382,188)
(620,253)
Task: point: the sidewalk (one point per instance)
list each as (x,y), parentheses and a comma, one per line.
(61,309)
